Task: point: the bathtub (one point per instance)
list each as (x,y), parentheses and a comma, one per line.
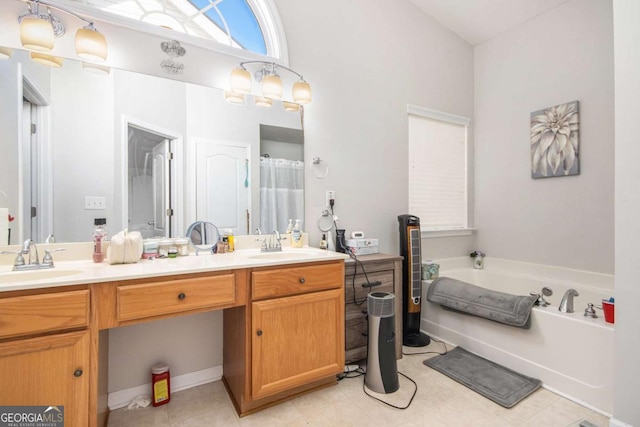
(571,354)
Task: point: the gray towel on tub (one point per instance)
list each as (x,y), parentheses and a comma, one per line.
(501,307)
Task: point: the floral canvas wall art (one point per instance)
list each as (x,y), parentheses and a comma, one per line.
(554,141)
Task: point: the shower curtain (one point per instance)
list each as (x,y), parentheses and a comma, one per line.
(281,193)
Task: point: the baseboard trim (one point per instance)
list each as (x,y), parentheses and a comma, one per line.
(121,398)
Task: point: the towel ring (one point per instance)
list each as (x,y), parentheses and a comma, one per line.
(318,170)
(325,221)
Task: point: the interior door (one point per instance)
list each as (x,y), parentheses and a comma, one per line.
(161,175)
(223,189)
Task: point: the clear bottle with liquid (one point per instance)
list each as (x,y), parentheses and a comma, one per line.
(99,234)
(296,235)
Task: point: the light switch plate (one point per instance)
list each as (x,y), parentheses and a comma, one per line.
(94,203)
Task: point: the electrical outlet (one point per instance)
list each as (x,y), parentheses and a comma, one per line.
(94,203)
(331,194)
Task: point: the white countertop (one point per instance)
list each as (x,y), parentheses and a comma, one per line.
(67,273)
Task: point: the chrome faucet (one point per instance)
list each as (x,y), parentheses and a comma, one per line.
(273,245)
(566,304)
(29,248)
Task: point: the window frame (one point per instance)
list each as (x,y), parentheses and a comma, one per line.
(265,12)
(422,112)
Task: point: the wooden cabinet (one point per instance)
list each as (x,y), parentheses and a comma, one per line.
(44,351)
(51,370)
(296,340)
(382,273)
(291,335)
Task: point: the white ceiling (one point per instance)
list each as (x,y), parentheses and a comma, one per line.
(477,21)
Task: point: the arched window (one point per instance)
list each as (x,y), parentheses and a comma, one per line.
(249,25)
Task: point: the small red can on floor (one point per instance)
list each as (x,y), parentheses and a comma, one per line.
(160,384)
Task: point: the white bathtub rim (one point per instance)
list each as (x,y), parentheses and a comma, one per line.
(522,269)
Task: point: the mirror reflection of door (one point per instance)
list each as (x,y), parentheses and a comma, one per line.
(223,187)
(149,182)
(36,211)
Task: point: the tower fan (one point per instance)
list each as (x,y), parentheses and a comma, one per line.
(382,368)
(411,281)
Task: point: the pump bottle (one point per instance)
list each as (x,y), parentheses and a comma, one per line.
(296,235)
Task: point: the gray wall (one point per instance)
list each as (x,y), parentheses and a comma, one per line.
(563,55)
(366,61)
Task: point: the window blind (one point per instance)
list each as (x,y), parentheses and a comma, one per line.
(438,173)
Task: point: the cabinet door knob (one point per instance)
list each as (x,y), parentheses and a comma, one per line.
(259,332)
(181,296)
(301,280)
(77,373)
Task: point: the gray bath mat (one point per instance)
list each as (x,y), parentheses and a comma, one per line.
(493,381)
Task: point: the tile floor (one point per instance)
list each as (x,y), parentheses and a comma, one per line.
(439,401)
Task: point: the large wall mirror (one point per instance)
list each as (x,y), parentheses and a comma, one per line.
(148,153)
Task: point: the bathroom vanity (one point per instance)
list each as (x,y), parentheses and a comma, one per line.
(283,325)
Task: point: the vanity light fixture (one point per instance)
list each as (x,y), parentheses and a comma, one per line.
(233,97)
(38,32)
(263,102)
(292,107)
(5,52)
(48,60)
(268,75)
(92,68)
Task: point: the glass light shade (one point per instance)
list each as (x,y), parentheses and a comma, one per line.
(91,44)
(291,106)
(96,68)
(36,34)
(233,97)
(301,92)
(5,52)
(48,60)
(272,86)
(240,80)
(263,102)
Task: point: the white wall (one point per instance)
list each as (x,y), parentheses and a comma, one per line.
(83,134)
(366,61)
(627,205)
(560,56)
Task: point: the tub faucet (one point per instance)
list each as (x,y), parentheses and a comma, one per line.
(566,304)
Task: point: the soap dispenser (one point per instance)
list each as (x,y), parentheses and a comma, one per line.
(296,235)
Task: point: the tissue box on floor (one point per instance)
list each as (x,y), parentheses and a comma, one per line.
(363,246)
(125,248)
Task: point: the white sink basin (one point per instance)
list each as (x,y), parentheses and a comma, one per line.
(292,255)
(32,275)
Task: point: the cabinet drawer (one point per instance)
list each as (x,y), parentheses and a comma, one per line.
(160,298)
(361,286)
(30,314)
(296,280)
